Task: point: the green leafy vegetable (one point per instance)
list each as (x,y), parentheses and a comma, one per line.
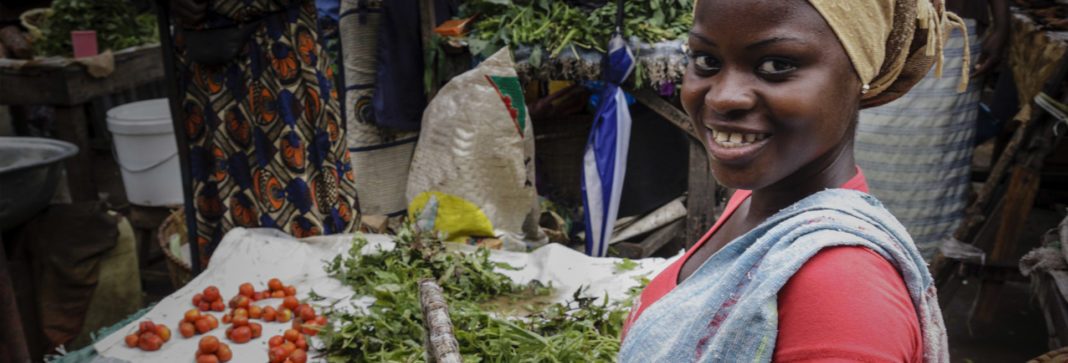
(390,329)
(116,22)
(625,265)
(555,25)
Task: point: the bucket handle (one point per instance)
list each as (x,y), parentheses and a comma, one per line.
(138,170)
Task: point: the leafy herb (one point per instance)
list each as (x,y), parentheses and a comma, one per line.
(625,265)
(555,26)
(390,329)
(115,21)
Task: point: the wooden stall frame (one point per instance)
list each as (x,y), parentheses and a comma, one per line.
(1019,163)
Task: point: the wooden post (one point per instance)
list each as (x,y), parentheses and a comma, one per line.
(163,17)
(701,201)
(71,126)
(428,21)
(665,109)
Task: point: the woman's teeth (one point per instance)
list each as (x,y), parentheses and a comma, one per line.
(736,139)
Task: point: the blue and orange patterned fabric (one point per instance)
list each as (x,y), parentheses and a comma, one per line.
(266,146)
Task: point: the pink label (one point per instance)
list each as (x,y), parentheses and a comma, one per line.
(84,42)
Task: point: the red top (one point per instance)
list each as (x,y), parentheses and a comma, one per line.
(844,304)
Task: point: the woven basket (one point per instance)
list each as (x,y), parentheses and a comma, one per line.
(180,270)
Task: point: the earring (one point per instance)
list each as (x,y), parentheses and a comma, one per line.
(864,89)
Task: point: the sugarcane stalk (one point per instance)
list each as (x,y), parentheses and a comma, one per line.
(440,342)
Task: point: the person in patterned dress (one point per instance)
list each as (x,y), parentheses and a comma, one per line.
(266,145)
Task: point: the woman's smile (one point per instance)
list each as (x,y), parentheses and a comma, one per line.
(731,145)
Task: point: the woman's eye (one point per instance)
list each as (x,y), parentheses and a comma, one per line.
(775,67)
(705,64)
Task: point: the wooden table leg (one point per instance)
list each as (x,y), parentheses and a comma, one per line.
(12,338)
(72,127)
(701,200)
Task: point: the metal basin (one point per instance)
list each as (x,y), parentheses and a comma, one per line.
(29,171)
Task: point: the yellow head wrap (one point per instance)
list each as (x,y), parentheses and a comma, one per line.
(884,41)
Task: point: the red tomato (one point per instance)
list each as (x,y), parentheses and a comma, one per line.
(192,315)
(306,312)
(269,314)
(284,316)
(298,356)
(207,358)
(131,340)
(277,355)
(291,291)
(257,330)
(255,312)
(146,326)
(197,299)
(211,319)
(274,284)
(290,303)
(164,332)
(246,289)
(218,305)
(211,294)
(292,335)
(150,342)
(289,347)
(202,325)
(275,341)
(187,329)
(209,344)
(224,353)
(240,320)
(241,335)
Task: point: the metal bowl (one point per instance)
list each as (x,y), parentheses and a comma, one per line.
(29,171)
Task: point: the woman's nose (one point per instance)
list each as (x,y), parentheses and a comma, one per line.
(730,95)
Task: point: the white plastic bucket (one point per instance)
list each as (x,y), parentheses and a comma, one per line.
(147,153)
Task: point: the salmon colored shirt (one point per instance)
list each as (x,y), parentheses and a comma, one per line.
(845,304)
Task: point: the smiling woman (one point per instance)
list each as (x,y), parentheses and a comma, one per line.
(802,264)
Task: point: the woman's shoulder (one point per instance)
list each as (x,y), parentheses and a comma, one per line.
(847,302)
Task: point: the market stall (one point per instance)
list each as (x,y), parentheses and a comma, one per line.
(987,245)
(557,43)
(316,268)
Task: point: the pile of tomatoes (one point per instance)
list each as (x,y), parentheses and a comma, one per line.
(149,336)
(292,347)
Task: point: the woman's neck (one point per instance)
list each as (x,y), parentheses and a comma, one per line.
(829,172)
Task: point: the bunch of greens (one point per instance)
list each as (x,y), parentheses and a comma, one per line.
(113,20)
(551,26)
(391,328)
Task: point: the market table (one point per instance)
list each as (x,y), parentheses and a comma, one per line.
(68,86)
(256,255)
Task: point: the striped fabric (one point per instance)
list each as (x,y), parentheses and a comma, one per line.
(916,151)
(381,155)
(727,311)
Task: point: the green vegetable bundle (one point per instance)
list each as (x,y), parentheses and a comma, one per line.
(551,26)
(114,21)
(391,328)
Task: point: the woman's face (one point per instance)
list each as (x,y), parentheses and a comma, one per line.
(770,90)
